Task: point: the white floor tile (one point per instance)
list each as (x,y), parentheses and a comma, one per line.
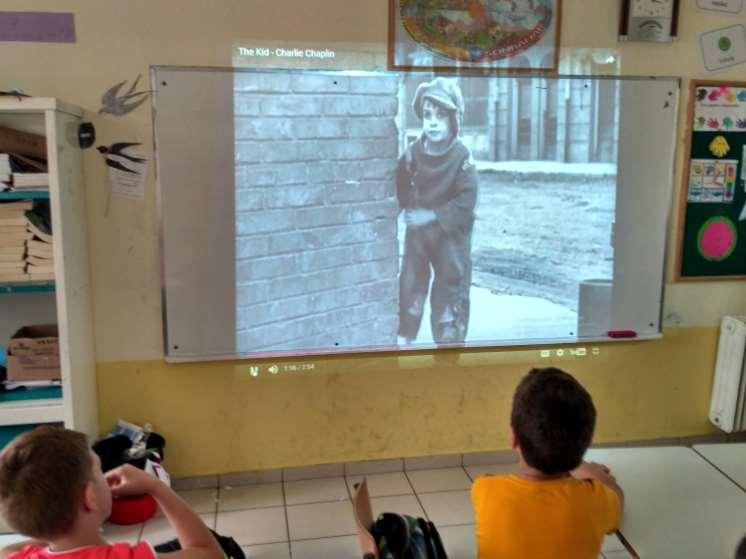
(344,547)
(433,462)
(618,554)
(255,526)
(114,533)
(250,496)
(459,541)
(374,467)
(201,500)
(448,508)
(157,530)
(491,470)
(612,543)
(321,520)
(267,551)
(316,491)
(313,472)
(380,485)
(444,479)
(250,478)
(493,457)
(197,482)
(401,504)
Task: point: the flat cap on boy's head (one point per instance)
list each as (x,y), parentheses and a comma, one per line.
(553,418)
(443,92)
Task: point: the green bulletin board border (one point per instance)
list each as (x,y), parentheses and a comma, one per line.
(684,253)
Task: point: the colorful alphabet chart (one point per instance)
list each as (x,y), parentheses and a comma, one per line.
(712,211)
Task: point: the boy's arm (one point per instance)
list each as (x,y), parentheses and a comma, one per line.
(196,540)
(18,546)
(404,180)
(459,210)
(594,470)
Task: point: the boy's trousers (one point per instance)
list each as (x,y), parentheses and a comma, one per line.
(449,255)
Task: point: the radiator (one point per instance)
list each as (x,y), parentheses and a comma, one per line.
(729,387)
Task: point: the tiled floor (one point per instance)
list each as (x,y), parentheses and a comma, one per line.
(312,518)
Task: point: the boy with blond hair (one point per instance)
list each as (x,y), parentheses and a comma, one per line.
(52,490)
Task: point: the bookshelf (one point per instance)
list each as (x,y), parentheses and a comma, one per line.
(30,195)
(67,299)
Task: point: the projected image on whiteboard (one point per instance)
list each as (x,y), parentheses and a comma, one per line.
(381,211)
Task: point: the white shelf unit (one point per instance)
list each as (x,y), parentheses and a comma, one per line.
(77,408)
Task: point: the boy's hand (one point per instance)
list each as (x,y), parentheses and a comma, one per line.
(591,470)
(417,217)
(128,480)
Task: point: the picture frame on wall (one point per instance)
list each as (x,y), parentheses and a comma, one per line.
(511,36)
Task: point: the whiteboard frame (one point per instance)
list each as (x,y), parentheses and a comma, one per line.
(496,344)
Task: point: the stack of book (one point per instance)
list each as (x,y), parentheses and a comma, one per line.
(18,172)
(6,172)
(14,235)
(23,160)
(39,250)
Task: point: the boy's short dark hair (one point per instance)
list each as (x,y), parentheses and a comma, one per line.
(43,474)
(553,418)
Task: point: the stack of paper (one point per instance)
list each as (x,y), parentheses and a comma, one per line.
(13,237)
(39,249)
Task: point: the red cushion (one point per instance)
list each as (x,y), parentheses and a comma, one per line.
(132,510)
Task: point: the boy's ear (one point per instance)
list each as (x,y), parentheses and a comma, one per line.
(513,439)
(89,501)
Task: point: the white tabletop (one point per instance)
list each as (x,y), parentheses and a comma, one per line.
(677,504)
(728,458)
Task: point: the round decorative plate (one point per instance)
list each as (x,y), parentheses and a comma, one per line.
(717,239)
(477,30)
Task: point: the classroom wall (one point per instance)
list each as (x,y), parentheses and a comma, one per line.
(216,417)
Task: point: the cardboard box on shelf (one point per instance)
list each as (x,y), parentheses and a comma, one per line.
(34,353)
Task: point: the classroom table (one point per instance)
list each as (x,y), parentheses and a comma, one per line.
(677,504)
(728,458)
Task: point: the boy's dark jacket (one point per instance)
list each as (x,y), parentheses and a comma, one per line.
(446,184)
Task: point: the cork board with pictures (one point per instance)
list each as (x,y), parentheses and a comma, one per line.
(712,207)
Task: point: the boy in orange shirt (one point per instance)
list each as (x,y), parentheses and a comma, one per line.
(557,506)
(52,490)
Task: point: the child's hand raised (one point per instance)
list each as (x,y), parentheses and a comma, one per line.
(128,480)
(417,217)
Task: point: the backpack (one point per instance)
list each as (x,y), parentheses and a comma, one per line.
(400,536)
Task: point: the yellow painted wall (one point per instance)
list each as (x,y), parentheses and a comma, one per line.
(219,420)
(214,416)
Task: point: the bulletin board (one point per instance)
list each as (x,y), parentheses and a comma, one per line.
(712,218)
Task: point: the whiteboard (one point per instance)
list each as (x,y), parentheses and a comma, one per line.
(281,231)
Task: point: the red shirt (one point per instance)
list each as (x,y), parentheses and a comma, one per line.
(142,550)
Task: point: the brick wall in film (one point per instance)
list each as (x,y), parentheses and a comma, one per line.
(316,248)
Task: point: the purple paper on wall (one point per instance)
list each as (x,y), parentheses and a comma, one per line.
(37,27)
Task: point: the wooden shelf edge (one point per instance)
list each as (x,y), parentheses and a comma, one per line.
(27,287)
(25,195)
(37,104)
(22,412)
